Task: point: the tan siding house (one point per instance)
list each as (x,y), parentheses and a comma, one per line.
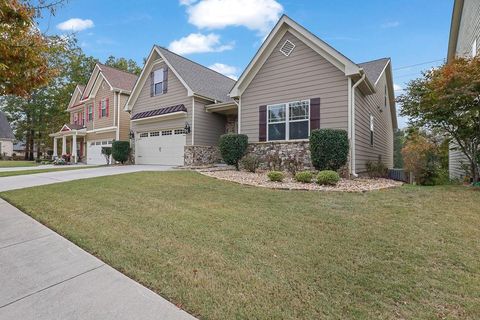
(465,42)
(97,116)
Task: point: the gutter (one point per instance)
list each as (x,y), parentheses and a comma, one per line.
(352,123)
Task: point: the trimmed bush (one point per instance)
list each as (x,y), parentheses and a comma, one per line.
(276,176)
(233,147)
(250,163)
(107,152)
(328,177)
(121,151)
(377,169)
(329,149)
(304,176)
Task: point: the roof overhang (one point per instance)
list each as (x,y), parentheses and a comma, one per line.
(454,29)
(224,107)
(391,94)
(284,25)
(74,97)
(168,116)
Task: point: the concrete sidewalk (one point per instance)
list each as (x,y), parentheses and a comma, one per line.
(44,276)
(38,179)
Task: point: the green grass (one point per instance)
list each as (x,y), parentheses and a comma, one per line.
(14,163)
(34,171)
(225,251)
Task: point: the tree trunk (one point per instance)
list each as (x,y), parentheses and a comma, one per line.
(27,145)
(32,145)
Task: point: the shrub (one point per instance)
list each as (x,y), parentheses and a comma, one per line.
(304,176)
(329,149)
(328,177)
(233,147)
(250,163)
(120,151)
(377,169)
(107,152)
(276,176)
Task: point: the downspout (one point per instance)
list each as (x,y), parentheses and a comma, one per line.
(239,103)
(352,125)
(118,116)
(193,121)
(114,108)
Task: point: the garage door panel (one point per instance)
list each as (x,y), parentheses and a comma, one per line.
(166,149)
(94,152)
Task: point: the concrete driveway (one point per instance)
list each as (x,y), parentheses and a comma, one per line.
(38,179)
(44,276)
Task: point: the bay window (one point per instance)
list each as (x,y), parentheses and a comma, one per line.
(289,121)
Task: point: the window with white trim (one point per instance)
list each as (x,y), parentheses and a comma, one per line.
(179,131)
(143,134)
(288,121)
(154,134)
(104,108)
(90,112)
(166,132)
(158,82)
(372,124)
(385,97)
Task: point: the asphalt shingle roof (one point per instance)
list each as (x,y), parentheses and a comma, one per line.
(118,78)
(374,68)
(5,129)
(202,80)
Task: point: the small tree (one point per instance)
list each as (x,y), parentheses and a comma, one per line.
(417,152)
(120,151)
(107,152)
(448,98)
(329,149)
(233,147)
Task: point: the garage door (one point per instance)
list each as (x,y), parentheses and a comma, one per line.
(160,147)
(94,151)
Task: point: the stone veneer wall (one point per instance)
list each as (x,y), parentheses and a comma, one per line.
(201,155)
(288,150)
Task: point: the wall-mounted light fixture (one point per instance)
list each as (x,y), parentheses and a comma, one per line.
(132,134)
(187,128)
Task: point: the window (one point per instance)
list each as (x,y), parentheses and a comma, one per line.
(143,134)
(158,81)
(104,108)
(179,131)
(110,142)
(90,112)
(104,142)
(154,134)
(75,118)
(474,48)
(385,97)
(92,143)
(98,143)
(372,120)
(167,133)
(289,121)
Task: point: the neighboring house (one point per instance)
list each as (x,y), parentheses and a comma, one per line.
(294,84)
(20,148)
(6,137)
(97,115)
(464,41)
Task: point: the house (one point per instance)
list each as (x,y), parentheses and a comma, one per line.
(97,115)
(464,35)
(295,83)
(6,137)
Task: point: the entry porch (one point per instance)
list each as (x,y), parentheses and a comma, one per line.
(73,139)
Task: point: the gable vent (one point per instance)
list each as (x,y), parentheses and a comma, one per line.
(287,48)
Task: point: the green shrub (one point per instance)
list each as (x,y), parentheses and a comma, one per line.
(120,151)
(377,169)
(250,163)
(107,152)
(276,176)
(233,147)
(329,149)
(304,176)
(328,177)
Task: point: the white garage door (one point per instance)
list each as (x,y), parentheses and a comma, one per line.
(160,147)
(94,151)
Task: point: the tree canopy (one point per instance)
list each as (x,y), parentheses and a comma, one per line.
(448,99)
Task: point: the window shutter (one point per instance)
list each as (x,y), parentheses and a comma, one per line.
(262,123)
(99,109)
(151,85)
(108,108)
(165,80)
(314,114)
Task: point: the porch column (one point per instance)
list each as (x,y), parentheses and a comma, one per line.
(55,149)
(64,145)
(74,148)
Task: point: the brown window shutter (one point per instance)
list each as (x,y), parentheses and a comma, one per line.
(151,85)
(165,80)
(314,114)
(262,123)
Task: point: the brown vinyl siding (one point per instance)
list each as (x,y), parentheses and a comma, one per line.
(124,119)
(208,126)
(383,128)
(304,74)
(110,135)
(176,94)
(103,92)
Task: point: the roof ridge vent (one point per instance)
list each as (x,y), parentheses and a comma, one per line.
(287,48)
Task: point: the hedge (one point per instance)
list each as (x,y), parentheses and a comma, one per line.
(233,147)
(329,149)
(121,151)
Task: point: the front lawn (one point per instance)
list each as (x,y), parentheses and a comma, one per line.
(34,171)
(225,251)
(15,163)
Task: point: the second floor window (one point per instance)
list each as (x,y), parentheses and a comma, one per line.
(385,97)
(158,82)
(104,108)
(90,112)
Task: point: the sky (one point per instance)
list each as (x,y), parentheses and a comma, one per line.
(225,34)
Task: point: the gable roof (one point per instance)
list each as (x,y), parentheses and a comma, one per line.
(118,79)
(373,69)
(286,24)
(202,80)
(5,129)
